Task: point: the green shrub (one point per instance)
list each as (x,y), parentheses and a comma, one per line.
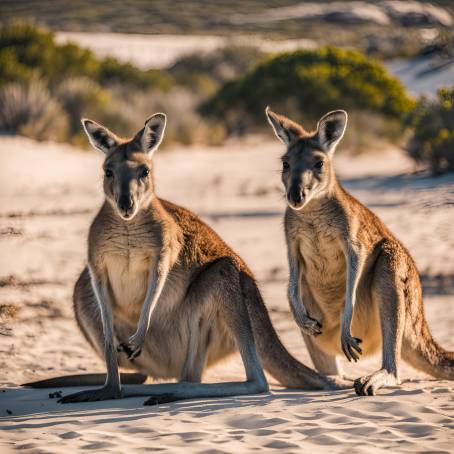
(27,51)
(205,71)
(432,142)
(42,81)
(112,71)
(30,110)
(306,84)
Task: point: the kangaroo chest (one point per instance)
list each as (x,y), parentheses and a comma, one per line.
(129,260)
(322,259)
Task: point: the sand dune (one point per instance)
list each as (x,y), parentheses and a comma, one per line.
(161,51)
(48,195)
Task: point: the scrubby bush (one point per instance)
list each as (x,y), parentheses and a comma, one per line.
(82,97)
(75,83)
(112,71)
(305,84)
(27,51)
(30,110)
(432,142)
(206,71)
(46,87)
(184,124)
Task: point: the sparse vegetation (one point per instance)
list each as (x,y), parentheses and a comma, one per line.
(45,89)
(432,142)
(205,72)
(27,51)
(30,110)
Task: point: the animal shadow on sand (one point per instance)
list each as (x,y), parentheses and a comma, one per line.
(32,408)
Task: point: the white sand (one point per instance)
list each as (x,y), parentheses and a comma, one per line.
(48,195)
(161,51)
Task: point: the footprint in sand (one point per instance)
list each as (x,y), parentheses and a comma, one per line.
(70,435)
(279,444)
(253,421)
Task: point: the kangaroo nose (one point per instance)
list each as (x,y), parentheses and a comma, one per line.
(295,197)
(126,204)
(295,194)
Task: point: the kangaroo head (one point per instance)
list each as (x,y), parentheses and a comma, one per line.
(307,171)
(128,172)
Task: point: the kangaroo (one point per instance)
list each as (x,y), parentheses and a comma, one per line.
(348,273)
(164,295)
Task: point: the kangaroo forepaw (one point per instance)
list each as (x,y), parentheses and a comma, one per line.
(310,326)
(131,351)
(350,347)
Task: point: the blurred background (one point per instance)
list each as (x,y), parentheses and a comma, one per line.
(214,66)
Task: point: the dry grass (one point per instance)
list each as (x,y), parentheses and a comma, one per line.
(31,111)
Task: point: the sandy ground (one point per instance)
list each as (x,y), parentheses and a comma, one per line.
(48,196)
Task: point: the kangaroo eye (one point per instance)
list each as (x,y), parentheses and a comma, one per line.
(285,166)
(144,173)
(108,173)
(318,165)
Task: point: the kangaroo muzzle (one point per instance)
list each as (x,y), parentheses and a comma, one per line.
(297,196)
(126,206)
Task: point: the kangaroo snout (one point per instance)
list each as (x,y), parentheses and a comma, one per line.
(295,200)
(296,197)
(126,206)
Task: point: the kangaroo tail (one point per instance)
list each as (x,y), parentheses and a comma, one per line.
(422,351)
(276,359)
(85,380)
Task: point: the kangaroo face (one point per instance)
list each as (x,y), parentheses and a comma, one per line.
(128,176)
(307,171)
(128,182)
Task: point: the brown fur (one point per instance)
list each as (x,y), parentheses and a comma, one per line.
(351,276)
(209,304)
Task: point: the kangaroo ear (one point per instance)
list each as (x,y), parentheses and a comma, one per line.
(285,129)
(331,128)
(151,135)
(99,136)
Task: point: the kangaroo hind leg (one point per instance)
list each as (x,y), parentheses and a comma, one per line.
(219,289)
(196,356)
(388,296)
(323,363)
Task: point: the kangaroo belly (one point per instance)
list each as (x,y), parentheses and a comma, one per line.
(129,279)
(166,346)
(365,321)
